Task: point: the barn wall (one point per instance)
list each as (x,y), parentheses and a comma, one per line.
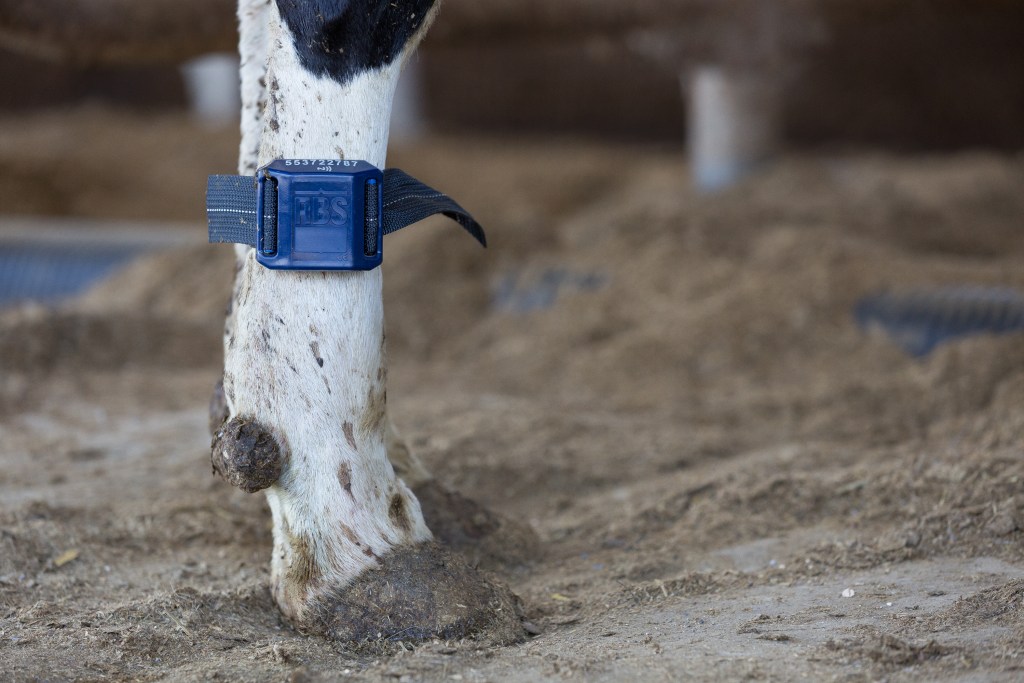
(923,75)
(31,84)
(566,90)
(918,75)
(926,74)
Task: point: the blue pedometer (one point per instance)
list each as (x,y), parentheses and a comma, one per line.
(322,214)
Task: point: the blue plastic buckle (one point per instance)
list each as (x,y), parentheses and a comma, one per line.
(328,215)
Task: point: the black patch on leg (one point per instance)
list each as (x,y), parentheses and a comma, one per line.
(343,38)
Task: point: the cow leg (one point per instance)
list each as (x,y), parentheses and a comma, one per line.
(305,364)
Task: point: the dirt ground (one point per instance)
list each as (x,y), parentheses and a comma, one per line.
(731,481)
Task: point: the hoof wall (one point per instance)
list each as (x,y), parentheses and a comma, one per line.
(418,593)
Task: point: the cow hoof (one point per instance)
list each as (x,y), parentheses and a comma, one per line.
(417,593)
(484,538)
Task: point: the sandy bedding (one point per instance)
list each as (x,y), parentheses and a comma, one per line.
(668,387)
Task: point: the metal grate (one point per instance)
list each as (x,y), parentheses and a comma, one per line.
(48,273)
(921,319)
(47,259)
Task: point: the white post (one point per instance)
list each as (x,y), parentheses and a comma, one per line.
(212,85)
(733,124)
(408,122)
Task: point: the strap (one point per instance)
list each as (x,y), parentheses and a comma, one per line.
(408,201)
(231,207)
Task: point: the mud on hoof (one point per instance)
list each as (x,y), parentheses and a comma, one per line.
(418,593)
(484,538)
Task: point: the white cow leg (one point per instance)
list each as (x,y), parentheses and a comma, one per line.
(304,390)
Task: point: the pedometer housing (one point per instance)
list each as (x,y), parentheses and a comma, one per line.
(328,215)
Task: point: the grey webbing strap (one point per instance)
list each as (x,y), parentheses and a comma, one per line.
(231,207)
(407,201)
